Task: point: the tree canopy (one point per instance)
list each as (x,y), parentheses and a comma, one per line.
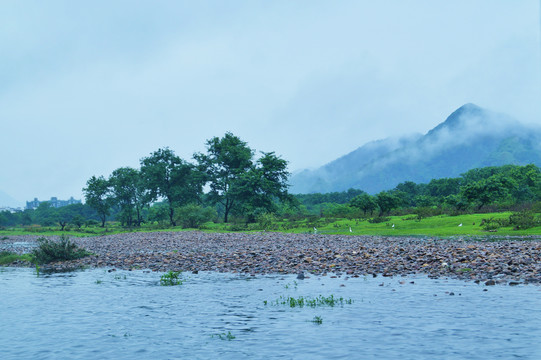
(168,177)
(98,196)
(236,181)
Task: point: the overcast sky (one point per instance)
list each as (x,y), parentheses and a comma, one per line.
(88,87)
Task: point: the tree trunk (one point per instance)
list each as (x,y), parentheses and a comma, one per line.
(171,213)
(228,205)
(138,221)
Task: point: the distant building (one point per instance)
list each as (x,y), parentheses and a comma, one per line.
(32,204)
(54,202)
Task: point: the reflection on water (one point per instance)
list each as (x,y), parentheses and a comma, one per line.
(128,315)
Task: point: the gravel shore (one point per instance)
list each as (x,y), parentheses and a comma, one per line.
(504,261)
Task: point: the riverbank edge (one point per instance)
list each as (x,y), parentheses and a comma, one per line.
(508,261)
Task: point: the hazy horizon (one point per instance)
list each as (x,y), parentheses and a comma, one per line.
(90,87)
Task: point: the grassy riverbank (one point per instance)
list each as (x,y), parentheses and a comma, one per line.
(409,225)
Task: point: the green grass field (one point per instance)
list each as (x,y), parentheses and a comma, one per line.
(442,225)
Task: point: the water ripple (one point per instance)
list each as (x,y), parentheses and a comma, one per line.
(128,315)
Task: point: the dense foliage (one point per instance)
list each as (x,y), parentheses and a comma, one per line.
(63,249)
(496,188)
(239,185)
(242,190)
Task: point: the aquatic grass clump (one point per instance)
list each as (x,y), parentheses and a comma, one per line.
(7,257)
(64,249)
(295,284)
(317,320)
(311,302)
(224,336)
(171,278)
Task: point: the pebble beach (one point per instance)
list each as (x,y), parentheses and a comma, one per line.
(509,261)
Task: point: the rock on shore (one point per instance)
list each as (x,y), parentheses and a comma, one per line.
(263,253)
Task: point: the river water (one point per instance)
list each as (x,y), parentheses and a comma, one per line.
(96,314)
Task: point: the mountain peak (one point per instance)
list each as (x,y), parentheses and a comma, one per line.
(468,109)
(459,117)
(470,137)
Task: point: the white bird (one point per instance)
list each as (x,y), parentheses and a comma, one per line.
(393,226)
(460,224)
(350,229)
(315,230)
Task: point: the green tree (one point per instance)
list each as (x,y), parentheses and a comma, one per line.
(237,183)
(364,202)
(158,212)
(441,188)
(63,216)
(78,220)
(265,183)
(129,194)
(485,191)
(4,220)
(226,163)
(387,202)
(45,214)
(408,190)
(98,196)
(456,201)
(168,177)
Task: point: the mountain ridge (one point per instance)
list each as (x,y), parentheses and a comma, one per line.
(469,137)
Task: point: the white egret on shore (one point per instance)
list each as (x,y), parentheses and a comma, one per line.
(460,224)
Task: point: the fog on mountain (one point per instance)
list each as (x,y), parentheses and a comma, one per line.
(469,138)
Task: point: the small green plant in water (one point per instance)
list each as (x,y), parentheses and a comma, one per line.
(288,285)
(317,320)
(224,336)
(311,302)
(37,270)
(171,278)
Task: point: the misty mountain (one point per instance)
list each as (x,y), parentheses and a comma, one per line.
(8,201)
(470,137)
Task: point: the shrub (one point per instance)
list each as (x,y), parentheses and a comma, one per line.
(64,249)
(523,220)
(92,222)
(426,211)
(238,226)
(193,216)
(313,221)
(7,257)
(490,224)
(267,221)
(171,278)
(379,219)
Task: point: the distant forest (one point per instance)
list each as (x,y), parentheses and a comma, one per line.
(488,189)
